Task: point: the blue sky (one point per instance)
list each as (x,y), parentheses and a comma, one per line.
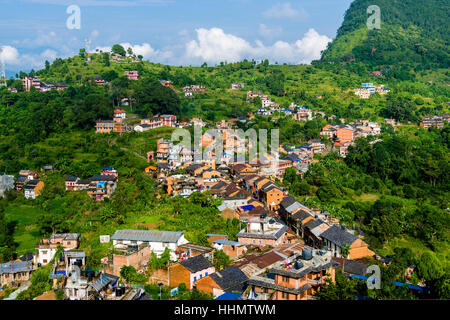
(177,32)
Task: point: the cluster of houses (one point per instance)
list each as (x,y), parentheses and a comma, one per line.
(98,187)
(284,251)
(116,125)
(435,121)
(369,89)
(28,182)
(190,90)
(344,135)
(266,102)
(34,82)
(167,120)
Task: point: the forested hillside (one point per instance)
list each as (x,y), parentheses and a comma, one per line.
(414,34)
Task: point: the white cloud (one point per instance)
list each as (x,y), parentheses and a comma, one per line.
(49,55)
(9,55)
(284,11)
(214,46)
(146,50)
(268,32)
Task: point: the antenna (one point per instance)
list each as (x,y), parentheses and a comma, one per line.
(88,48)
(2,70)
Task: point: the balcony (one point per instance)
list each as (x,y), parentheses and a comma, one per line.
(316,282)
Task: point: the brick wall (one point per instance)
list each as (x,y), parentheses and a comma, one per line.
(179,274)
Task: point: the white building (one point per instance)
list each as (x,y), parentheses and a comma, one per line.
(157,240)
(142,127)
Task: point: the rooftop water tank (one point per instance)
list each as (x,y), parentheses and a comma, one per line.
(307,253)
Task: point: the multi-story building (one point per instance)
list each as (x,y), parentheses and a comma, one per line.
(48,247)
(102,186)
(263,232)
(432,122)
(299,277)
(31,82)
(162,149)
(104,126)
(188,271)
(303,114)
(33,188)
(154,122)
(168,120)
(120,113)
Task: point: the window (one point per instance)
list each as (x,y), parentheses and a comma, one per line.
(44,261)
(206,274)
(285,279)
(195,278)
(201,276)
(285,295)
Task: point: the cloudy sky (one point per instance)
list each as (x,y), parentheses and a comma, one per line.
(176,32)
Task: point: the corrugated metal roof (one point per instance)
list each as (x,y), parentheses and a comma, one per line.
(229,242)
(15,267)
(147,235)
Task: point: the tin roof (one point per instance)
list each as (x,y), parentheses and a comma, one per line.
(14,267)
(147,235)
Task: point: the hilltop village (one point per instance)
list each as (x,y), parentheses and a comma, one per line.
(284,250)
(106,206)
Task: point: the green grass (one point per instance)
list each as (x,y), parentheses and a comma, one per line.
(417,247)
(26,233)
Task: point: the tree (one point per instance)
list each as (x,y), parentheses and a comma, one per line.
(118,49)
(429,267)
(221,260)
(130,51)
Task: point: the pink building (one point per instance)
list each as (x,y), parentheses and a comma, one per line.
(132,75)
(168,120)
(31,82)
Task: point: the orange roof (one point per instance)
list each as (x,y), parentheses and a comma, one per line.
(119,111)
(150,168)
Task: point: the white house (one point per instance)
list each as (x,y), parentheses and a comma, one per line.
(157,240)
(142,127)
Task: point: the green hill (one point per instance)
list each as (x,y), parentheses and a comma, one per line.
(414,33)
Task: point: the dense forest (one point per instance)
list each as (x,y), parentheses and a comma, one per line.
(414,34)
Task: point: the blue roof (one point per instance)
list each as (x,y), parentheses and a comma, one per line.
(304,147)
(398,284)
(216,235)
(248,207)
(229,242)
(229,296)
